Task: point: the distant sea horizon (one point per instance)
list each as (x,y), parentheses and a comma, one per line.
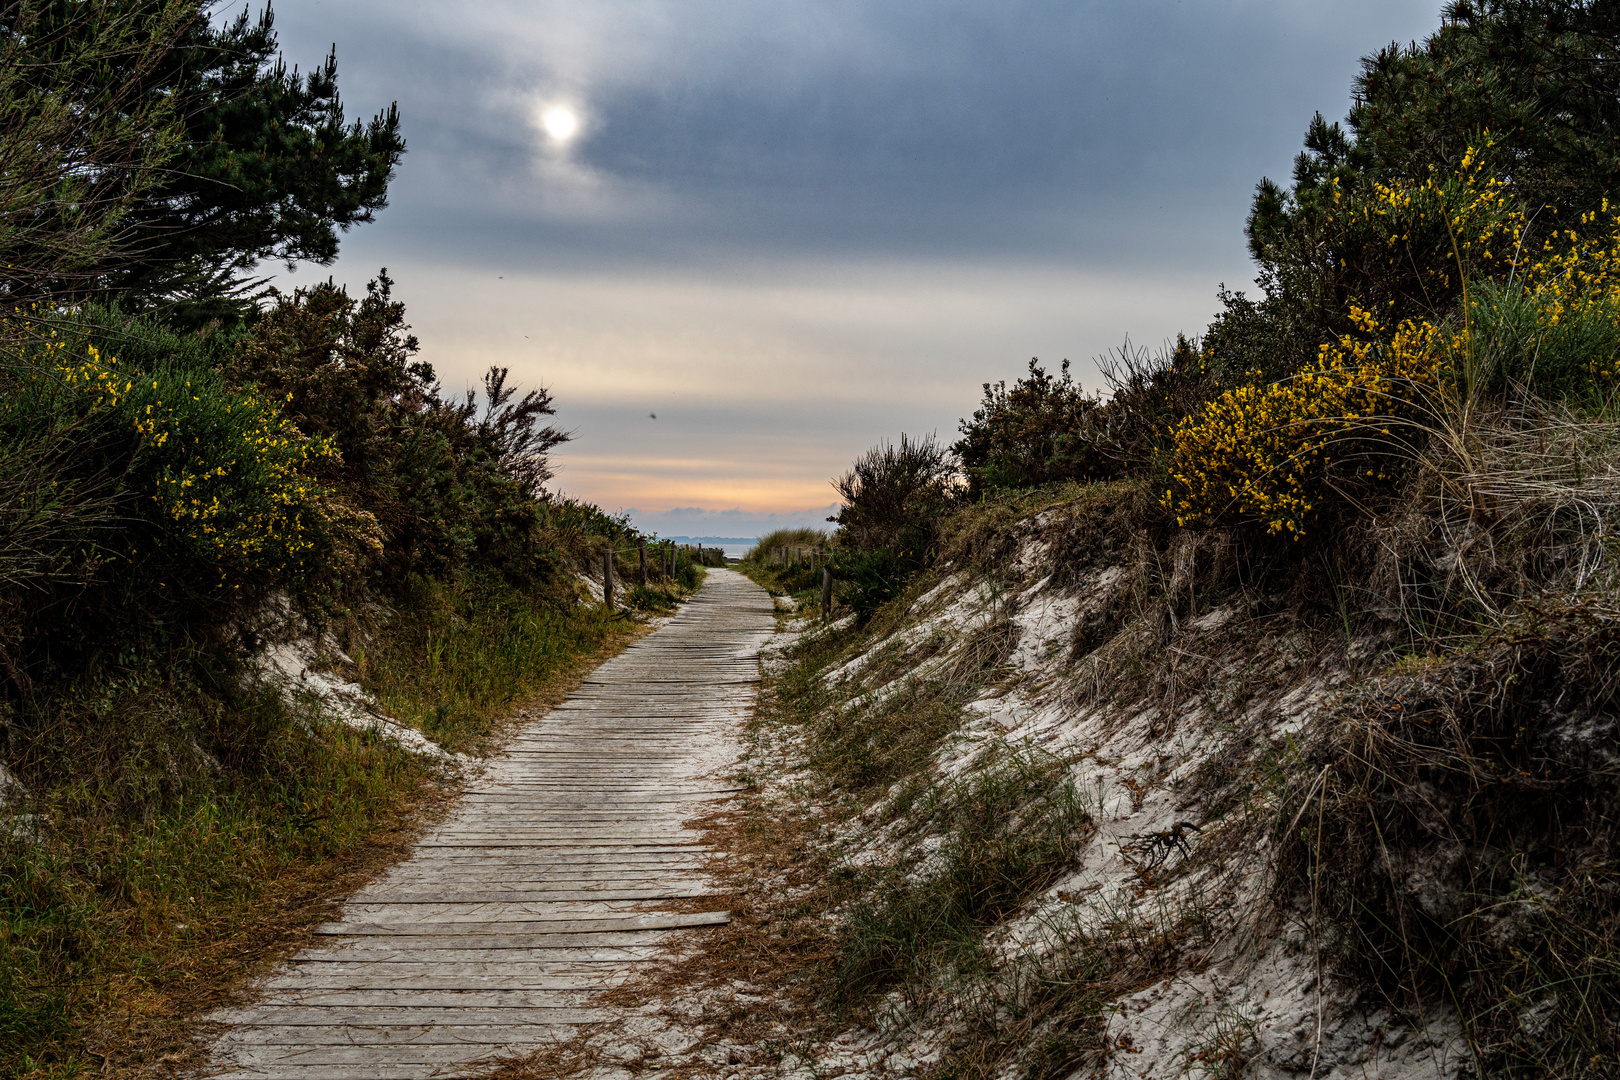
(735,547)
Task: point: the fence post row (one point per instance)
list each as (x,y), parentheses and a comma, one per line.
(826,592)
(607,578)
(641,553)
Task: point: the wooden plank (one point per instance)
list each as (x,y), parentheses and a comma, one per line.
(498,1033)
(278,1058)
(375,1071)
(511,926)
(516,940)
(455,967)
(551,875)
(460,999)
(472,896)
(521,863)
(308,979)
(417,952)
(384,1016)
(556,886)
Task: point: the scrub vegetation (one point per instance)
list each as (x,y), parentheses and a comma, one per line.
(194,469)
(1390,481)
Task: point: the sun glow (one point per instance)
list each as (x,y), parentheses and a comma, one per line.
(560,122)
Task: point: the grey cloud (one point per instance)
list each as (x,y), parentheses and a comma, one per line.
(1100,129)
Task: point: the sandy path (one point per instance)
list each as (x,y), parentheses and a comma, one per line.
(542,888)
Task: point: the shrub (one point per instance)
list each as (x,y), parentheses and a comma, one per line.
(1149,394)
(1554,327)
(894,496)
(1029,435)
(452,484)
(1327,438)
(1399,244)
(207,497)
(1279,454)
(1048,430)
(869,579)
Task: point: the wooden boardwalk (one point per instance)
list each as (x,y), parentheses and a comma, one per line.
(542,888)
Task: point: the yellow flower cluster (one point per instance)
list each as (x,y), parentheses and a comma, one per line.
(1451,223)
(94,377)
(1263,452)
(248,501)
(227,469)
(1575,277)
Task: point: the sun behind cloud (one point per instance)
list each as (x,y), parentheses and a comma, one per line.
(559,122)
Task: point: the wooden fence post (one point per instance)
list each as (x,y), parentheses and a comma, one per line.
(826,592)
(607,578)
(641,550)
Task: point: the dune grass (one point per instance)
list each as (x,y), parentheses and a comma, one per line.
(795,578)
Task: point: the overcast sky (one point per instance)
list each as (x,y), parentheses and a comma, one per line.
(791,229)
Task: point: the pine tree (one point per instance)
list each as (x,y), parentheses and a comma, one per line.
(264,165)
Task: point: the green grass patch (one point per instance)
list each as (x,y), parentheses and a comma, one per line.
(461,656)
(764,565)
(858,740)
(1008,828)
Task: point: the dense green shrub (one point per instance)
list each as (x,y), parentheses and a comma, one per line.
(894,495)
(1029,435)
(193,499)
(1046,430)
(452,484)
(869,579)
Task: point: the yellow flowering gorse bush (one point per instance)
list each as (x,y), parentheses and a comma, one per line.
(1277,453)
(96,379)
(1265,452)
(227,471)
(1457,222)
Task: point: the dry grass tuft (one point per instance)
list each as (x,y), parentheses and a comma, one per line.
(1460,824)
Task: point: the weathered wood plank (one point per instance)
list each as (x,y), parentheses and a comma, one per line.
(537,940)
(279,1058)
(511,926)
(309,979)
(418,953)
(497,1034)
(462,999)
(384,1016)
